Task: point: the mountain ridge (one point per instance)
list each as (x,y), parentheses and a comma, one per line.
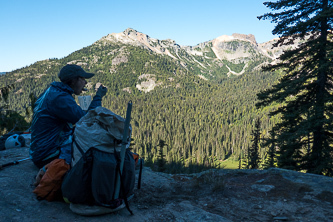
(238,49)
(131,35)
(186,56)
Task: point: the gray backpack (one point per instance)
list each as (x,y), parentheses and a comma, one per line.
(97,141)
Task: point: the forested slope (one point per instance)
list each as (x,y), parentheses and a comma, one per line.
(201,121)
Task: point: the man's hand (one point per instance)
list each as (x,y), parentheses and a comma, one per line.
(101,91)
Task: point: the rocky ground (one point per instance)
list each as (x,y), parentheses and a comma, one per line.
(217,195)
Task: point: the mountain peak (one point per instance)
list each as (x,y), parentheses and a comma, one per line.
(248,37)
(237,36)
(129,35)
(131,32)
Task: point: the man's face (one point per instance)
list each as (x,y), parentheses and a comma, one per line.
(79,85)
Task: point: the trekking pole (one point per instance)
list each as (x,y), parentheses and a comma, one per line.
(12,163)
(123,148)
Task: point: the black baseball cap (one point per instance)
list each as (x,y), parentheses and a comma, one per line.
(71,71)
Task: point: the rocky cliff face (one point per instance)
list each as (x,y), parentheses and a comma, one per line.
(236,48)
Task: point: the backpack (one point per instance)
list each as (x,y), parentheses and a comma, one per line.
(97,142)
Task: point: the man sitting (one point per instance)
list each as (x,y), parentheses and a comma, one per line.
(55,113)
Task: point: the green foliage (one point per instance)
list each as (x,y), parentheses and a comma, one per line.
(234,67)
(209,52)
(161,157)
(9,119)
(304,134)
(270,161)
(253,151)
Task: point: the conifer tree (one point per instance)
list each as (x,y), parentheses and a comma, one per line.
(4,91)
(271,153)
(9,119)
(305,90)
(161,157)
(240,161)
(245,159)
(253,153)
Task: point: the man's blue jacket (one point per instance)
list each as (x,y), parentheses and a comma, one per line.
(54,113)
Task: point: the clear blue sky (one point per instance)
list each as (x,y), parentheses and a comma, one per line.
(34,30)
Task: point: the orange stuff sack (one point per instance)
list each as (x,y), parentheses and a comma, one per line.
(49,187)
(136,158)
